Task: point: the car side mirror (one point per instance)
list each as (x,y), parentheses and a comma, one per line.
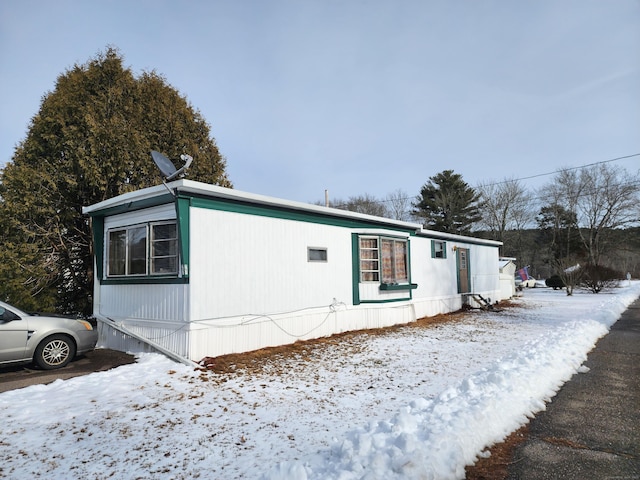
(7,315)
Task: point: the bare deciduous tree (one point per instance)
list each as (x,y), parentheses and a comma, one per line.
(505,206)
(367,204)
(602,198)
(608,200)
(399,205)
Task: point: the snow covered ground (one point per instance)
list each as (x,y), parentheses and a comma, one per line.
(416,403)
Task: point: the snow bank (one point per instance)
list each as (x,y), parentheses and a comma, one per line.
(436,439)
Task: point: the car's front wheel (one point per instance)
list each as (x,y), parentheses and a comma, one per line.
(54,352)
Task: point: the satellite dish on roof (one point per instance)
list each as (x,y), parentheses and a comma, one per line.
(166,166)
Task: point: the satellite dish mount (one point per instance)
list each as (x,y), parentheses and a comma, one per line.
(167,168)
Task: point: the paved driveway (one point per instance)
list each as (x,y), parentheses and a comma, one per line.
(100,359)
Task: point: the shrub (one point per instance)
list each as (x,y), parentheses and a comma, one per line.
(554,282)
(597,278)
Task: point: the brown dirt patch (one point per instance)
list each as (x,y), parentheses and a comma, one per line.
(496,466)
(250,361)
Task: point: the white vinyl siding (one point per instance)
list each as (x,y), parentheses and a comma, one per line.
(235,255)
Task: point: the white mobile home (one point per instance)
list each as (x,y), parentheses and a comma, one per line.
(200,270)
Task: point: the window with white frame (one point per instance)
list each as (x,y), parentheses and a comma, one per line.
(147,249)
(369,259)
(438,249)
(383,260)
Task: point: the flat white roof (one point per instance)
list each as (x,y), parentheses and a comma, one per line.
(214,191)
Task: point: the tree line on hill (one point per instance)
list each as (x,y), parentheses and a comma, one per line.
(588,216)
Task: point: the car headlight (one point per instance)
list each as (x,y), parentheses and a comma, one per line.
(86,324)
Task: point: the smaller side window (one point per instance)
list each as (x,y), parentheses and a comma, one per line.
(164,248)
(438,249)
(316,254)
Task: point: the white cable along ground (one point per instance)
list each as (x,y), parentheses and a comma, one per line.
(253,319)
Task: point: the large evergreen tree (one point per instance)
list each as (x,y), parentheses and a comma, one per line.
(89,141)
(448,204)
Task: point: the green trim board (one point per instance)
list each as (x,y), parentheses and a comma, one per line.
(390,300)
(144,280)
(398,286)
(250,207)
(285,213)
(355,267)
(183,206)
(412,285)
(134,205)
(97,229)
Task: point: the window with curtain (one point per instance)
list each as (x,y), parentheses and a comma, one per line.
(394,261)
(383,259)
(369,260)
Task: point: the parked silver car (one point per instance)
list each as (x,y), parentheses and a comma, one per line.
(48,341)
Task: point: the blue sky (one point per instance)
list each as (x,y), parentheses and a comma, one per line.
(358,96)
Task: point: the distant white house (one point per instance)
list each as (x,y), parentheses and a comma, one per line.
(507,268)
(198,270)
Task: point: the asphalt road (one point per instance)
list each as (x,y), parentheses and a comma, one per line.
(591,429)
(100,359)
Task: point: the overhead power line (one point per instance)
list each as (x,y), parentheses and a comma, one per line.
(568,169)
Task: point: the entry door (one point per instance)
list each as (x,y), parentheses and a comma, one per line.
(463,271)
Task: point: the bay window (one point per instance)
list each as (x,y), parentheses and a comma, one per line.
(139,250)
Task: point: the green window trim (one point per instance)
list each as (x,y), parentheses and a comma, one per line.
(182,205)
(383,287)
(183,208)
(147,280)
(97,229)
(398,286)
(386,300)
(355,268)
(437,252)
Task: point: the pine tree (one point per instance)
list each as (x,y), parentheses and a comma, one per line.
(448,204)
(89,141)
